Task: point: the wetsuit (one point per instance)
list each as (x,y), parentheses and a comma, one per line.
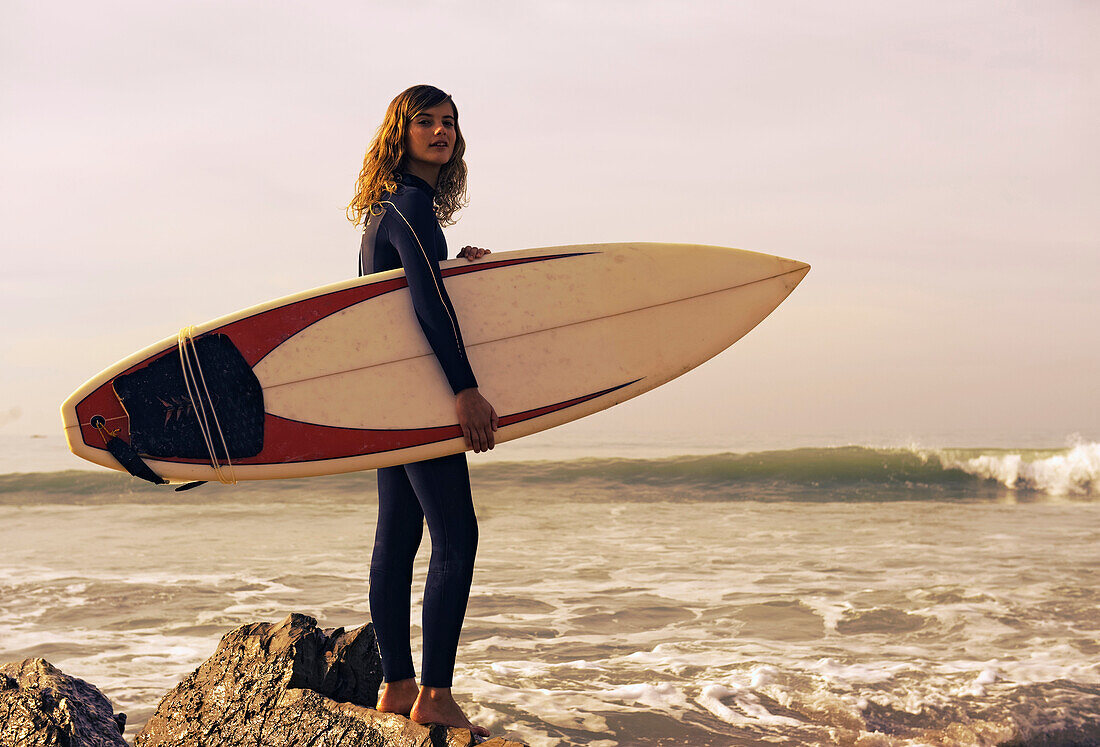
(407,234)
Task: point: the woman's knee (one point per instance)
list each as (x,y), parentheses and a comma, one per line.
(456,552)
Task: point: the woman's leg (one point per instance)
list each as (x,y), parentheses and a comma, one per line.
(443,489)
(396,539)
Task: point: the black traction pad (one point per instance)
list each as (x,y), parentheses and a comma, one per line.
(163,420)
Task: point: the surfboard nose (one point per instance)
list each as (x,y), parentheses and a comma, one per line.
(792,271)
(793,266)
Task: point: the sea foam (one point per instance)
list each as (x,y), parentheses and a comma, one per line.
(1076,472)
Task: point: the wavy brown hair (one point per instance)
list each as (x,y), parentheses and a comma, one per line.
(385,158)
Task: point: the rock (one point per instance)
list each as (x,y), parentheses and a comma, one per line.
(42,706)
(289,684)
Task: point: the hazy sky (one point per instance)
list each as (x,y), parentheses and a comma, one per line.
(936,162)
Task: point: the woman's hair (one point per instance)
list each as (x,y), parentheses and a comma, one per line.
(386,157)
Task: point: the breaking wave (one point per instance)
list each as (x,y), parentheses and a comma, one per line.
(848,473)
(1075,471)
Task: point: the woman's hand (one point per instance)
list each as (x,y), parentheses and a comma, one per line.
(477,418)
(471,253)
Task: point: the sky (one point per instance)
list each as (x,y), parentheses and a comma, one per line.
(937,163)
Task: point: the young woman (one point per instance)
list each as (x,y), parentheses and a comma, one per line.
(414,179)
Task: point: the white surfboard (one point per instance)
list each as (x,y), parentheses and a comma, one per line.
(346,380)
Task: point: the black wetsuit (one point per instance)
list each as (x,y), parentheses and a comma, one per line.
(407,234)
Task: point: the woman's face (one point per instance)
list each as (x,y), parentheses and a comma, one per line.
(431,136)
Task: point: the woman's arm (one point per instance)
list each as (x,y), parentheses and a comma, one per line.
(413,235)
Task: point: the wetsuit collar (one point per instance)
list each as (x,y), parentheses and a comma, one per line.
(412,180)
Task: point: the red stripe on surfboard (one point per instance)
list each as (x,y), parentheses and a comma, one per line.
(291,441)
(257,335)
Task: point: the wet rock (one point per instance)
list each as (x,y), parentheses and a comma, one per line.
(273,685)
(41,706)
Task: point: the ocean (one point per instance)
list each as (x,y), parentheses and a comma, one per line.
(846,594)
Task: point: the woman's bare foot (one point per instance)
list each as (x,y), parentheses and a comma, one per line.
(436,705)
(398,697)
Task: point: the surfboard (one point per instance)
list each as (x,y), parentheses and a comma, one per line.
(341,378)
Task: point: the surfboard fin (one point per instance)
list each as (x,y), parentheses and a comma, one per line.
(129,459)
(126,455)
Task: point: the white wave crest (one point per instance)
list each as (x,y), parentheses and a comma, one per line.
(746,707)
(1076,472)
